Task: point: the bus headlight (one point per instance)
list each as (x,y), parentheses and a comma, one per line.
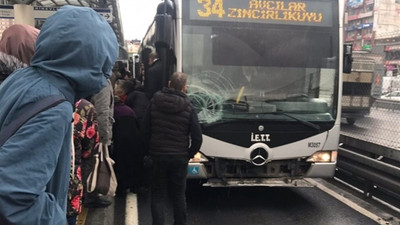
(198,158)
(323,156)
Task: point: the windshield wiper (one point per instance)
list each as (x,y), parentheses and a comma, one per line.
(305,122)
(296,97)
(236,106)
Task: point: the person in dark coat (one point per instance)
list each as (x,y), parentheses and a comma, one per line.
(132,94)
(174,135)
(137,100)
(127,143)
(153,79)
(124,130)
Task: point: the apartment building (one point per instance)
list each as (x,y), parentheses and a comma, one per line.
(374,26)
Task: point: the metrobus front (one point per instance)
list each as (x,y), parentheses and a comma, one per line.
(264,79)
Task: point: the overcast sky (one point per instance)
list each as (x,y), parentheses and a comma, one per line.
(136,17)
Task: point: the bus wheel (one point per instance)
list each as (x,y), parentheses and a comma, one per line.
(350,121)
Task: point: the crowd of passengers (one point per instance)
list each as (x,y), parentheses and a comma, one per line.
(109,108)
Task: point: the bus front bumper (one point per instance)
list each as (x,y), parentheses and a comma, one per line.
(316,170)
(321,170)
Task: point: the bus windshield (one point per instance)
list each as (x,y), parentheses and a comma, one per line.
(240,69)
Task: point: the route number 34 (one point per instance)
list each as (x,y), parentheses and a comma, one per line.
(211,7)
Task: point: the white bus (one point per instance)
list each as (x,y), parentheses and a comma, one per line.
(265,79)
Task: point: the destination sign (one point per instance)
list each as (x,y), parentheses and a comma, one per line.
(307,13)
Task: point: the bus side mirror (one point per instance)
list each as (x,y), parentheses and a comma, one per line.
(347,57)
(164,31)
(164,24)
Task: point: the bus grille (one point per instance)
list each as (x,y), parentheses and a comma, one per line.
(223,168)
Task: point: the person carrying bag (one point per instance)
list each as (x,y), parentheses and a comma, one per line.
(102,177)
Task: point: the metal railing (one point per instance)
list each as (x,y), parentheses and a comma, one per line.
(372,168)
(387,104)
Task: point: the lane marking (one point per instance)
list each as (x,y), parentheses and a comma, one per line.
(131,210)
(348,202)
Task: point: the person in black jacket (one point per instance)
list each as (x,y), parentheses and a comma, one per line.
(153,81)
(174,135)
(137,100)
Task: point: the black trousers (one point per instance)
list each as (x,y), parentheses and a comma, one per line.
(169,180)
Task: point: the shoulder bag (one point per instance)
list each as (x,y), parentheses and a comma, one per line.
(102,177)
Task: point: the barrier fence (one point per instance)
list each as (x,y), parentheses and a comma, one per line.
(386,104)
(372,168)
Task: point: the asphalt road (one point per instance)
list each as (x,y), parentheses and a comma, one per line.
(261,206)
(241,206)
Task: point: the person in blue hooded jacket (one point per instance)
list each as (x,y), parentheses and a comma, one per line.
(75,52)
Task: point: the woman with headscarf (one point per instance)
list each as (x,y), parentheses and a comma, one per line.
(17,47)
(125,138)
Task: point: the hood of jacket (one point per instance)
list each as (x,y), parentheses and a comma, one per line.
(78,45)
(170,101)
(8,64)
(19,40)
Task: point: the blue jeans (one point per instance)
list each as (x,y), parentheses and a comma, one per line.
(169,178)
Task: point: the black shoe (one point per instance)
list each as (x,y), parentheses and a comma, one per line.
(98,203)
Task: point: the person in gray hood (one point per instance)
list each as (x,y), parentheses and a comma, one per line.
(75,52)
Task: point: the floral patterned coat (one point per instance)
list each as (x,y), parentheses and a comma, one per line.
(85,139)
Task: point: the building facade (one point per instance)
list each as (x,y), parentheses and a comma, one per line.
(374,26)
